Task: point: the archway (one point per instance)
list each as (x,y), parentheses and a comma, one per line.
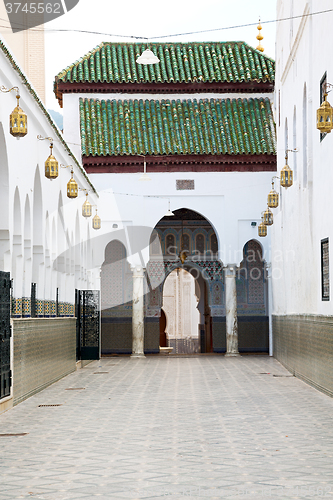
(188,241)
(116,301)
(181,295)
(252,309)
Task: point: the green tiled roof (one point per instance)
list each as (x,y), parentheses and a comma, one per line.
(179,62)
(191,126)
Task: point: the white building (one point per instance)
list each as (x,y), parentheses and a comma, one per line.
(303,227)
(201,121)
(46,249)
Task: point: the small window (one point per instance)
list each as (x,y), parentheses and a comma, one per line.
(200,243)
(186,242)
(170,247)
(325,271)
(213,244)
(323,83)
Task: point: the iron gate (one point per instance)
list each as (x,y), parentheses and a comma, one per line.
(88,324)
(5,334)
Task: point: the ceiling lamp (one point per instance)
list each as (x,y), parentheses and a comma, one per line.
(18,121)
(325,115)
(96,222)
(262,228)
(268,217)
(72,187)
(147,57)
(169,213)
(286,174)
(273,197)
(86,208)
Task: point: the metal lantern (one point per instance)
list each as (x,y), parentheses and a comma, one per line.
(183,255)
(286,175)
(262,228)
(268,217)
(273,198)
(260,37)
(18,121)
(72,187)
(325,117)
(96,222)
(86,208)
(51,166)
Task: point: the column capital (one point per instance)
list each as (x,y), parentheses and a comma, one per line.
(230,270)
(138,271)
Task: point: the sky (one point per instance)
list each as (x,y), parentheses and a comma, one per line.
(153,20)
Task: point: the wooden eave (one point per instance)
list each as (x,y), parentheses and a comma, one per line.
(160,88)
(180,163)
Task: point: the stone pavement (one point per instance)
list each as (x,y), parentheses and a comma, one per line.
(175,427)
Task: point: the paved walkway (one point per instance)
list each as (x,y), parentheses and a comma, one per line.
(176,427)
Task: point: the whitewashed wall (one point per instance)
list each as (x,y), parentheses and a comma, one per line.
(303,55)
(43,236)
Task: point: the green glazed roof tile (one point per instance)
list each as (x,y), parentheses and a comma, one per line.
(164,127)
(179,62)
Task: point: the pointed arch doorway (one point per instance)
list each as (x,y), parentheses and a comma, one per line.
(201,271)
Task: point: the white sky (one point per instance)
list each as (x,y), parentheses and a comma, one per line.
(151,19)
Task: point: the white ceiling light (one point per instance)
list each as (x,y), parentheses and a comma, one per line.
(169,213)
(147,57)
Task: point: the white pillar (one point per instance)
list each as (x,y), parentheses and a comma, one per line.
(231,310)
(138,314)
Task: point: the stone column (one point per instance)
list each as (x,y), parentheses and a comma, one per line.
(138,314)
(231,310)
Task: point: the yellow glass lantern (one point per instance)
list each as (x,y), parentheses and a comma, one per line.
(183,255)
(268,217)
(259,37)
(72,187)
(286,175)
(262,229)
(18,121)
(273,198)
(325,117)
(86,208)
(96,222)
(51,166)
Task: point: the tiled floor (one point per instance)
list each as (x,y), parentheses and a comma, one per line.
(175,427)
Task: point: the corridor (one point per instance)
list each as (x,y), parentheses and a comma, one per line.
(176,427)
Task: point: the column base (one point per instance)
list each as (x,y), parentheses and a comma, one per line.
(138,356)
(231,354)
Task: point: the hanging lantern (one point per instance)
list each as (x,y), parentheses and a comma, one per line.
(325,117)
(259,37)
(286,175)
(273,198)
(51,166)
(262,228)
(72,187)
(183,255)
(18,121)
(96,222)
(86,208)
(268,217)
